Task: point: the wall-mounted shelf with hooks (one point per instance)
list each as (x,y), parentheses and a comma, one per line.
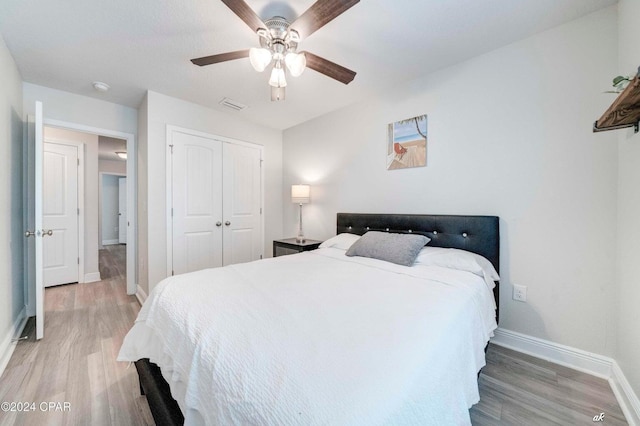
(624,111)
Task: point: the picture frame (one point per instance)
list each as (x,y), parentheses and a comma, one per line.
(407,143)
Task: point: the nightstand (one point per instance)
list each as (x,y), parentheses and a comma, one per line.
(290,246)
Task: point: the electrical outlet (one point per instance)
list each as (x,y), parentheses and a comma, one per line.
(520,292)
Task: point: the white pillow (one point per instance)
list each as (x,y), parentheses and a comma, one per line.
(341,241)
(458,259)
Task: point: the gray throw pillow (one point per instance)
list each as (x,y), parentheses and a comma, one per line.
(396,248)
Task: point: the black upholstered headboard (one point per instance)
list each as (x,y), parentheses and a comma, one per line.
(477,234)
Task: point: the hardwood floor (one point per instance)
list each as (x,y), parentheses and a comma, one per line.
(518,389)
(85,325)
(75,362)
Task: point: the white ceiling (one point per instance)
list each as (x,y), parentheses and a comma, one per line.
(139,45)
(107,148)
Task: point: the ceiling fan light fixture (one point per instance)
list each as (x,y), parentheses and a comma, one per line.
(259,58)
(296,63)
(277,76)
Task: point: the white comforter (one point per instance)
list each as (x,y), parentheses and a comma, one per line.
(318,338)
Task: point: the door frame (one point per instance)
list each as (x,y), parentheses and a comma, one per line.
(169,182)
(132,245)
(80,196)
(100,175)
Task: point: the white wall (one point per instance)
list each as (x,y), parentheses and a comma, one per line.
(109,209)
(509,134)
(162,110)
(91,192)
(69,107)
(142,259)
(12,299)
(628,353)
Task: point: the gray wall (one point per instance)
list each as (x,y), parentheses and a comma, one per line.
(509,134)
(12,300)
(628,272)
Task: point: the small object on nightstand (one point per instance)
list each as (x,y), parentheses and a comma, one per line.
(291,246)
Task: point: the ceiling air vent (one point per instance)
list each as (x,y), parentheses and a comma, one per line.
(234,105)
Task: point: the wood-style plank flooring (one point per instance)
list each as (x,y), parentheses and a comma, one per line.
(76,360)
(85,325)
(518,389)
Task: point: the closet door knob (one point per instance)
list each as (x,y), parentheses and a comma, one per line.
(29,234)
(218,223)
(227,223)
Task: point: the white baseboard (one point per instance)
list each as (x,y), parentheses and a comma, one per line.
(7,345)
(577,359)
(110,242)
(628,400)
(141,295)
(91,277)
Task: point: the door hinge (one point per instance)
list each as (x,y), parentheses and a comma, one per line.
(78,161)
(260,210)
(78,261)
(260,256)
(172,272)
(171,148)
(171,211)
(78,211)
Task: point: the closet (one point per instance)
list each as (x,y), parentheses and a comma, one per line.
(215,201)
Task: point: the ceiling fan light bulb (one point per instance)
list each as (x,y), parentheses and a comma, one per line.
(296,63)
(277,78)
(259,58)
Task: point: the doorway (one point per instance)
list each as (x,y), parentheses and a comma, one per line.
(112,223)
(34,266)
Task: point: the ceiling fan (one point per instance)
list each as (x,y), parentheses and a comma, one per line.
(279,42)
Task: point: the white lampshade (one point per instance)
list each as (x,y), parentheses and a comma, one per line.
(296,63)
(277,77)
(300,194)
(259,58)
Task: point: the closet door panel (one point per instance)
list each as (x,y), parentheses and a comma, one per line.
(197,202)
(241,204)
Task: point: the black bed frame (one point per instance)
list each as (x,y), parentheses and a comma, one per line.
(477,234)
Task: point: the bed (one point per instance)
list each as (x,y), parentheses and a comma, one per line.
(321,338)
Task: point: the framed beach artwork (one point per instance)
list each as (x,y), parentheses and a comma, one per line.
(407,146)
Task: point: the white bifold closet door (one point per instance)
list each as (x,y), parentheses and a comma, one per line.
(241,200)
(216,203)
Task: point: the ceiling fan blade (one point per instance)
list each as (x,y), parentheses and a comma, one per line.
(244,12)
(320,14)
(222,57)
(330,69)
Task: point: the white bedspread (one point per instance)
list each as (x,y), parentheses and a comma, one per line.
(318,338)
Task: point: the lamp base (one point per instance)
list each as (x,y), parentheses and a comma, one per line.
(300,239)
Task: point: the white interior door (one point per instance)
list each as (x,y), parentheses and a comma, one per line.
(122,210)
(34,265)
(60,214)
(242,200)
(196,165)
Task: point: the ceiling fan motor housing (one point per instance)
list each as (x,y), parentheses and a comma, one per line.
(278,38)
